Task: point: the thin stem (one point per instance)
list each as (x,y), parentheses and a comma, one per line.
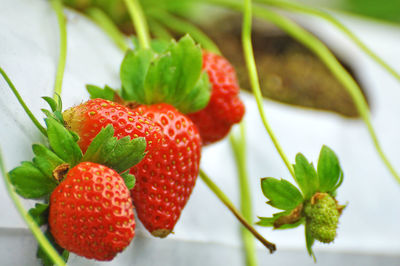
(328,17)
(255,84)
(330,61)
(40,237)
(159,31)
(21,101)
(108,26)
(225,200)
(58,8)
(238,144)
(139,22)
(183,26)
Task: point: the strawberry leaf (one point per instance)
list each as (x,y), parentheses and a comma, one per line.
(40,213)
(306,176)
(96,92)
(45,160)
(309,242)
(119,155)
(129,180)
(62,142)
(281,193)
(30,182)
(42,254)
(328,170)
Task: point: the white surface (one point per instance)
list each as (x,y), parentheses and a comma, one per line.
(207,234)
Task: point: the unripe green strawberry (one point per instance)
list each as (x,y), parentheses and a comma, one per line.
(322,216)
(91,212)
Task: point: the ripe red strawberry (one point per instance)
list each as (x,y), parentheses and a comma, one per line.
(166,175)
(91,212)
(162,194)
(225,107)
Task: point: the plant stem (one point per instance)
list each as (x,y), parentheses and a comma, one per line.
(58,8)
(330,61)
(253,75)
(225,200)
(108,26)
(159,31)
(183,27)
(238,144)
(328,17)
(139,22)
(40,237)
(21,101)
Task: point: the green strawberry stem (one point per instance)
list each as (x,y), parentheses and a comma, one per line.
(105,23)
(335,22)
(225,200)
(238,144)
(58,8)
(255,84)
(326,56)
(22,103)
(139,22)
(158,30)
(183,27)
(40,237)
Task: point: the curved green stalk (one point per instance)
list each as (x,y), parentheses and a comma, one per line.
(183,26)
(315,45)
(238,144)
(58,8)
(328,17)
(255,85)
(23,104)
(139,22)
(159,31)
(38,234)
(108,26)
(225,200)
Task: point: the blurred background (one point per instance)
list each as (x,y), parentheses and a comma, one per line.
(306,106)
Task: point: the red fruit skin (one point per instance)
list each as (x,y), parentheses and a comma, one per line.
(91,212)
(225,107)
(163,193)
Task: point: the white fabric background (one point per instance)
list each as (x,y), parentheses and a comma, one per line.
(207,233)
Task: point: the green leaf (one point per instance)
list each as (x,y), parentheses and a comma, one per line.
(40,213)
(30,182)
(133,74)
(328,169)
(159,45)
(96,92)
(198,97)
(306,176)
(46,160)
(291,226)
(129,180)
(309,242)
(42,254)
(119,155)
(282,194)
(62,142)
(53,104)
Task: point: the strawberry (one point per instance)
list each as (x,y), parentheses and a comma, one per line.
(224,108)
(166,175)
(91,212)
(162,194)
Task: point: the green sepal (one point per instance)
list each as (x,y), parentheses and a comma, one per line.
(42,254)
(62,142)
(159,45)
(306,176)
(309,241)
(119,155)
(293,225)
(56,108)
(281,193)
(45,160)
(269,221)
(329,170)
(129,180)
(106,93)
(173,76)
(40,213)
(30,182)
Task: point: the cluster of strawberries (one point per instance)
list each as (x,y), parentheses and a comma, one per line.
(91,209)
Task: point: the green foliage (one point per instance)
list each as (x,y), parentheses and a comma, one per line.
(96,92)
(119,155)
(172,76)
(45,160)
(328,170)
(281,194)
(40,213)
(306,176)
(129,180)
(44,257)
